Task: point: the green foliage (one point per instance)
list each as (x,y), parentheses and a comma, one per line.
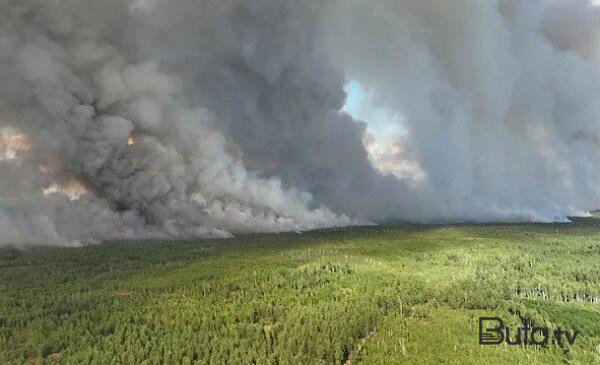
(378,295)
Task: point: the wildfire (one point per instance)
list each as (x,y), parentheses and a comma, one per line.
(44,167)
(73,189)
(12,142)
(130,141)
(15,142)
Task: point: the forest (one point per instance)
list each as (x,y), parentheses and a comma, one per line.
(401,294)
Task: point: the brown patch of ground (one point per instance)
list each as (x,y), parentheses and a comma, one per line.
(359,347)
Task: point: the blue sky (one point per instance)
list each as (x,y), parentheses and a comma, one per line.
(383,123)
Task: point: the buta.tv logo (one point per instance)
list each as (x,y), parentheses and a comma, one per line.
(493,332)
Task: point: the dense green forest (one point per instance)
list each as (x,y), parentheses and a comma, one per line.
(376,295)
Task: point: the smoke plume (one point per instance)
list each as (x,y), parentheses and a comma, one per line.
(186,118)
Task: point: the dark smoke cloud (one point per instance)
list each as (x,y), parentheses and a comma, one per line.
(209,118)
(80,80)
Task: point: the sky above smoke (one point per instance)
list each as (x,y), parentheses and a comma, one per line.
(186,118)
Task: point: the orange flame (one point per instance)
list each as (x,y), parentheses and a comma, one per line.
(12,142)
(72,189)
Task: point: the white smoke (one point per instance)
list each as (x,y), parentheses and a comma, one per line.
(186,118)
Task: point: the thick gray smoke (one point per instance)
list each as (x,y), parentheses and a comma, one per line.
(500,99)
(182,118)
(100,114)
